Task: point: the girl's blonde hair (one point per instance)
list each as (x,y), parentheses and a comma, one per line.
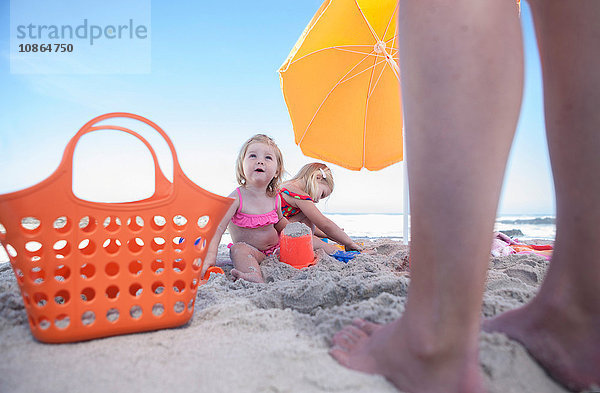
(273,186)
(311,174)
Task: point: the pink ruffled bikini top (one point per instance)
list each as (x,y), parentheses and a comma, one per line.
(245,220)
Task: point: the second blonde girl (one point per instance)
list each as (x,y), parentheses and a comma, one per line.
(300,195)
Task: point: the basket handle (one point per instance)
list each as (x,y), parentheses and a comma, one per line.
(163,186)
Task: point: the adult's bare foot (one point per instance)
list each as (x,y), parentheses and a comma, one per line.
(252,276)
(564,341)
(387,350)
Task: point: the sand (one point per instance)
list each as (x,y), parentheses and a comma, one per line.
(296,229)
(272,337)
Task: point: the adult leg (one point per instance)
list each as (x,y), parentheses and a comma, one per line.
(246,261)
(561,325)
(461,69)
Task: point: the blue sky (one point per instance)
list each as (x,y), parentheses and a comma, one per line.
(212,84)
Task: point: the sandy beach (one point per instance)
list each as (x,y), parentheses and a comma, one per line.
(272,337)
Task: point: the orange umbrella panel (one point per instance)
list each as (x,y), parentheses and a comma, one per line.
(341,85)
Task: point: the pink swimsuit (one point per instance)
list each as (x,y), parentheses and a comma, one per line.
(252,221)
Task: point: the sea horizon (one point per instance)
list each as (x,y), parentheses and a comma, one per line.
(390,226)
(524,226)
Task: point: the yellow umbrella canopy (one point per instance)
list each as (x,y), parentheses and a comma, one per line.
(341,85)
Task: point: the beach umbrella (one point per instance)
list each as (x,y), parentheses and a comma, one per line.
(341,85)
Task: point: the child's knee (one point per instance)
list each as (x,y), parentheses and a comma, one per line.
(234,250)
(239,250)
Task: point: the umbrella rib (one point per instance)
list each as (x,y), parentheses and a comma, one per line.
(395,56)
(367,22)
(333,47)
(327,96)
(393,48)
(377,81)
(394,64)
(379,56)
(395,70)
(389,21)
(364,153)
(362,53)
(355,51)
(363,71)
(395,67)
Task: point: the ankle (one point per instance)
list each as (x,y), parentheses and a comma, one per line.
(441,344)
(560,314)
(455,361)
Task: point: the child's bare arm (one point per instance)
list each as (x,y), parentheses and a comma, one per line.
(319,232)
(281,224)
(282,220)
(213,247)
(328,227)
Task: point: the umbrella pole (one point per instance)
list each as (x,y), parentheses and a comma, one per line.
(405,192)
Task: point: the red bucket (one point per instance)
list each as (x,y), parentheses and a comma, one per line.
(296,251)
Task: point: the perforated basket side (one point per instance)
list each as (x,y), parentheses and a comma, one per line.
(89,270)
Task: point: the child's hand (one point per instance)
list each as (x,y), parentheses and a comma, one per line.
(208,262)
(354,247)
(357,247)
(369,251)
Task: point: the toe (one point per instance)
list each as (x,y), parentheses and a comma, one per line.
(252,276)
(355,333)
(366,326)
(235,273)
(343,340)
(340,355)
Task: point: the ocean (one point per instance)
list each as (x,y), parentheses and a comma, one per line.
(365,225)
(523,227)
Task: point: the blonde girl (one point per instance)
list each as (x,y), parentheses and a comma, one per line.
(254,219)
(300,195)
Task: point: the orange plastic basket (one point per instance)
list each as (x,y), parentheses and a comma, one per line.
(89,270)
